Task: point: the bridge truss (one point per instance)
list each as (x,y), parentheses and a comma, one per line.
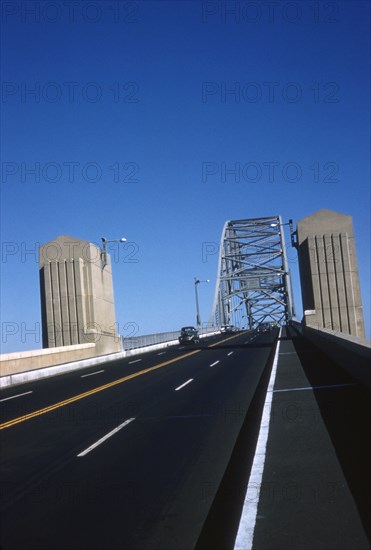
(253,280)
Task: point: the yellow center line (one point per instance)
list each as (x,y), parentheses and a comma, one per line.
(90,392)
(80,396)
(225,340)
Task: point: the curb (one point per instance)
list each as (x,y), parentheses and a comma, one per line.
(46,372)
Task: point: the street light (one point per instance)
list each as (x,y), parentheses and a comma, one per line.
(197,282)
(103,254)
(294,243)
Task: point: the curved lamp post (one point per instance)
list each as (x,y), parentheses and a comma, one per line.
(104,249)
(197,282)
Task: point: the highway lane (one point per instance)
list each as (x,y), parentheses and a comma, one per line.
(148,485)
(93,410)
(24,398)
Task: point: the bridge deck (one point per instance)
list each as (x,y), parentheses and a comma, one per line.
(315,490)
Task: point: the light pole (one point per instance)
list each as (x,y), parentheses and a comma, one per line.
(197,282)
(103,253)
(293,233)
(290,310)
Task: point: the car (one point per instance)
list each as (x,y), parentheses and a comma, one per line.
(189,335)
(228,328)
(264,327)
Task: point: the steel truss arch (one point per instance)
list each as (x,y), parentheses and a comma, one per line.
(253,280)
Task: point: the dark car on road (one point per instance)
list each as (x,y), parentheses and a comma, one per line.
(189,335)
(264,327)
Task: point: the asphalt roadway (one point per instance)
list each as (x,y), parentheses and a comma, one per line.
(126,455)
(315,493)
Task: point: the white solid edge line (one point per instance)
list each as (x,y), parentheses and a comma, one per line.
(136,361)
(185,384)
(245,534)
(83,453)
(91,374)
(230,353)
(14,396)
(213,364)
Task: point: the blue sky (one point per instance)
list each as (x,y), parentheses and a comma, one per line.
(133,121)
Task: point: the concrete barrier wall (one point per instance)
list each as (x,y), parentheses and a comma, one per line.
(15,378)
(134,342)
(351,353)
(14,363)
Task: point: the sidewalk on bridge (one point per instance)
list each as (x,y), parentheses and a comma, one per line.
(315,490)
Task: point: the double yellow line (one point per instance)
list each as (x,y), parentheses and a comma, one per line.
(80,396)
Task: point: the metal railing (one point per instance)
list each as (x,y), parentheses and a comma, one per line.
(134,342)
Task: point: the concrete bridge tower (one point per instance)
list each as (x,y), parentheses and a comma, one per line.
(77,304)
(329,273)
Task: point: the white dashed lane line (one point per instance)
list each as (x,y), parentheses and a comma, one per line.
(230,353)
(91,373)
(162,353)
(213,364)
(14,396)
(104,438)
(185,384)
(136,361)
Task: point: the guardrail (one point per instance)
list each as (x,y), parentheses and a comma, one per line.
(351,353)
(134,342)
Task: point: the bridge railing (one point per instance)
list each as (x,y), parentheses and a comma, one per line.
(351,353)
(134,342)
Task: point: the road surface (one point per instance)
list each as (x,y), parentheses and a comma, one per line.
(125,455)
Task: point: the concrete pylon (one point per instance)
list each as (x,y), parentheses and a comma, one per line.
(77,303)
(329,274)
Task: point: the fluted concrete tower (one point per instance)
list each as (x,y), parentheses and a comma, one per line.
(329,273)
(77,304)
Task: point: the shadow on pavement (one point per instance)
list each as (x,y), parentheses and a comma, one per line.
(346,412)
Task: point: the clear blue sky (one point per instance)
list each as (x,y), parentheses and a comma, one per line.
(132,100)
